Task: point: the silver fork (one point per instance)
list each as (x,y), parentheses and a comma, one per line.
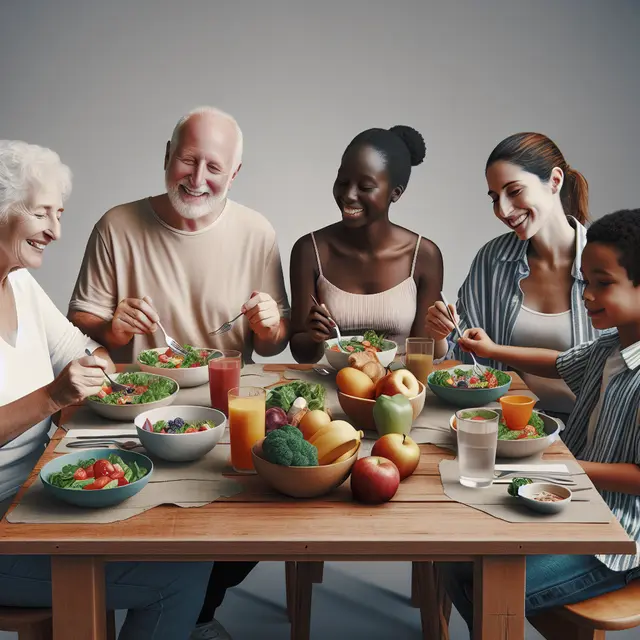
(478,369)
(335,325)
(173,344)
(115,386)
(96,444)
(223,328)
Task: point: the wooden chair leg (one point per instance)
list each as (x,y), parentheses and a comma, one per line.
(553,626)
(111,625)
(301,609)
(289,580)
(427,592)
(39,631)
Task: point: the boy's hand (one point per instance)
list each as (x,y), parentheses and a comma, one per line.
(477,341)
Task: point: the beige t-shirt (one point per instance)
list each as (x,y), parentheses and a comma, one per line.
(196,280)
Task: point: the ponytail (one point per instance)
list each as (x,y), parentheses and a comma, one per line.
(574,195)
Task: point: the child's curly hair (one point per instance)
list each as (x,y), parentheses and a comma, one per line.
(621,230)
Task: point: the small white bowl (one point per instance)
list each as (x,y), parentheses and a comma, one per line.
(527,492)
(191,377)
(128,412)
(181,447)
(340,359)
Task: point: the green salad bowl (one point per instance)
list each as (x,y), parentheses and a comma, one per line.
(466,398)
(97,498)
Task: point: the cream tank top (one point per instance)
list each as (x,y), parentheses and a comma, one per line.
(391,312)
(546,331)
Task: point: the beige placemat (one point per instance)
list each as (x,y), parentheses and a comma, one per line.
(497,502)
(185,484)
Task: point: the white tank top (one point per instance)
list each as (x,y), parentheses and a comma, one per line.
(546,331)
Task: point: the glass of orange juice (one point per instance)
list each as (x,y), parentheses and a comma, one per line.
(419,357)
(247,406)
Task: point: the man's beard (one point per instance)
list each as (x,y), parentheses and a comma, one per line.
(210,203)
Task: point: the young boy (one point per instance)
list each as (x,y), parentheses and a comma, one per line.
(603,430)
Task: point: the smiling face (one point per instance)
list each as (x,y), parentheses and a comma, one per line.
(31,226)
(610,296)
(362,189)
(520,199)
(199,169)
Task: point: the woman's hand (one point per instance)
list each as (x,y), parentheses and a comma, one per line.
(438,323)
(477,341)
(78,380)
(318,325)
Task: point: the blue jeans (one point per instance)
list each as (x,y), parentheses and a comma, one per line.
(163,598)
(551,581)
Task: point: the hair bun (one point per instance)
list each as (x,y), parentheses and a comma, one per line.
(414,141)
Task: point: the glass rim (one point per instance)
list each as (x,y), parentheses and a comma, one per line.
(255,392)
(225,354)
(496,415)
(419,340)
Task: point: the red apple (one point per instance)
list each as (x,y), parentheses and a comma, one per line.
(401,450)
(374,480)
(398,381)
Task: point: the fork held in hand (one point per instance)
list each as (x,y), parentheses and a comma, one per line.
(477,367)
(115,386)
(335,326)
(224,327)
(172,343)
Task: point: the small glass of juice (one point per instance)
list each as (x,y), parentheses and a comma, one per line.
(247,406)
(419,357)
(224,374)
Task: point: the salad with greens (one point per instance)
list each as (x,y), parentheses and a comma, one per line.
(103,473)
(171,360)
(146,388)
(467,379)
(284,395)
(371,341)
(178,425)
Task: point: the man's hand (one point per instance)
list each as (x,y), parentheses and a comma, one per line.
(134,316)
(262,312)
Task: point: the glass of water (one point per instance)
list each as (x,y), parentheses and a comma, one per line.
(477,431)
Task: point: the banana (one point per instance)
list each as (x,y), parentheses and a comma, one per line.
(335,440)
(327,428)
(349,453)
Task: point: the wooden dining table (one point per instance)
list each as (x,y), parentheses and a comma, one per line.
(419,524)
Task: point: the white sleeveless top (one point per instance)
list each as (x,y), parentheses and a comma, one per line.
(391,312)
(546,331)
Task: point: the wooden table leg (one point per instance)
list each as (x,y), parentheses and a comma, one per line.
(498,598)
(302,590)
(79,610)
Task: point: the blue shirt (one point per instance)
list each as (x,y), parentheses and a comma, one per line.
(616,438)
(490,297)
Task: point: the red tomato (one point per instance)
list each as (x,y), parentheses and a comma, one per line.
(190,430)
(116,475)
(204,354)
(98,483)
(140,389)
(102,468)
(107,390)
(163,357)
(89,471)
(195,364)
(80,474)
(122,481)
(203,428)
(168,352)
(335,348)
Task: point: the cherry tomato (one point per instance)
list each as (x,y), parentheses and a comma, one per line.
(98,483)
(163,357)
(116,475)
(203,428)
(122,481)
(195,364)
(190,430)
(80,474)
(102,468)
(89,471)
(168,352)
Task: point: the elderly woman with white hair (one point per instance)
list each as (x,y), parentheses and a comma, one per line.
(42,370)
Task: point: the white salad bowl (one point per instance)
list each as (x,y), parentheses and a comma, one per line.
(181,447)
(340,359)
(191,377)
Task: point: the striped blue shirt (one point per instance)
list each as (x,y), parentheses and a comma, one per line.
(616,438)
(491,297)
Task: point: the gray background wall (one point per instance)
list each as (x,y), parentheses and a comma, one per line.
(103,83)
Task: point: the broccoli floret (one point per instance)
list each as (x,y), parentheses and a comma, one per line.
(287,446)
(516,483)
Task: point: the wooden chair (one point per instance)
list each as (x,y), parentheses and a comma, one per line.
(591,619)
(37,624)
(299,579)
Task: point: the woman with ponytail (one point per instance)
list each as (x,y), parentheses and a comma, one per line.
(367,272)
(525,287)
